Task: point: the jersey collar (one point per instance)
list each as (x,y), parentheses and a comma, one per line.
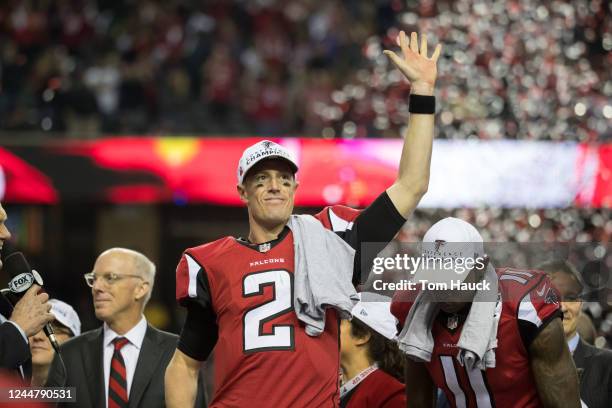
(264,246)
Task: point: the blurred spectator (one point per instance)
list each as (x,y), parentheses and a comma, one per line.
(65,326)
(517,69)
(80,109)
(371,362)
(103,78)
(594,365)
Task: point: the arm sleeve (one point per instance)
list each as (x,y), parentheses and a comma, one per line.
(200,332)
(25,338)
(375,226)
(537,309)
(14,350)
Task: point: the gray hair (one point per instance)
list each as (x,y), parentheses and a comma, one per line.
(142,267)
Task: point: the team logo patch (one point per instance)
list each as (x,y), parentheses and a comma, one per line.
(267,145)
(264,247)
(452,322)
(551,297)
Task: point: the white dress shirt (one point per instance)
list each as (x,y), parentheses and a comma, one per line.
(573,343)
(129,352)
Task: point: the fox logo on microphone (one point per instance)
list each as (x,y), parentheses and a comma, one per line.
(21,282)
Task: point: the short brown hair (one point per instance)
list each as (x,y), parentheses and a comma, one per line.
(383,351)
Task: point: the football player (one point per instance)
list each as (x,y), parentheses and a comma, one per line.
(533,366)
(239,291)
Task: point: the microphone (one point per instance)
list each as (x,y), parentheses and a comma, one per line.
(23,277)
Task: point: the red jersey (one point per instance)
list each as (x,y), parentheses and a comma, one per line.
(263,356)
(529,302)
(377,390)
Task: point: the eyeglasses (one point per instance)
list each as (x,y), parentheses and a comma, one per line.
(61,329)
(108,278)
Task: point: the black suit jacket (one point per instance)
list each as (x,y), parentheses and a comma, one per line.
(83,354)
(595,371)
(14,351)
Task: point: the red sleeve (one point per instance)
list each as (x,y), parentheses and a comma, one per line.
(338,218)
(540,303)
(534,300)
(182,280)
(192,284)
(200,331)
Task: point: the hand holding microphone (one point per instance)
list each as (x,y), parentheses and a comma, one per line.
(31,312)
(27,283)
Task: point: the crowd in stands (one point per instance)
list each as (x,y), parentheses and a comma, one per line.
(510,69)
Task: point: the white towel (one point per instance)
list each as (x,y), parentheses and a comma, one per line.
(323,273)
(478,339)
(416,339)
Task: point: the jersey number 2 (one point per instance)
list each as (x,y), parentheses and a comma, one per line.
(281,338)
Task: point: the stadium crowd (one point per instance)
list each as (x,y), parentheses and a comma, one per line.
(510,69)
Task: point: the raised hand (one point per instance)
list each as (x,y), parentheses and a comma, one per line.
(420,70)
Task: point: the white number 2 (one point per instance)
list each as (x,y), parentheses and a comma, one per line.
(281,338)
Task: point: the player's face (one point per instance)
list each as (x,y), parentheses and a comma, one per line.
(452,301)
(571,303)
(269,192)
(4,232)
(40,347)
(112,301)
(454,306)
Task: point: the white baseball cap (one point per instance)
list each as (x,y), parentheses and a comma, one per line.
(449,241)
(374,311)
(261,151)
(65,314)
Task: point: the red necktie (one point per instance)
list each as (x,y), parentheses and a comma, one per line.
(117,381)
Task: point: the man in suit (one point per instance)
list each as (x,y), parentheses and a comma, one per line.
(28,317)
(594,365)
(121,364)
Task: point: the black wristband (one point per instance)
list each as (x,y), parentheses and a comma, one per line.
(422,104)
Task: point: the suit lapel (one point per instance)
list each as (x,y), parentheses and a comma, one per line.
(579,355)
(148,360)
(93,363)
